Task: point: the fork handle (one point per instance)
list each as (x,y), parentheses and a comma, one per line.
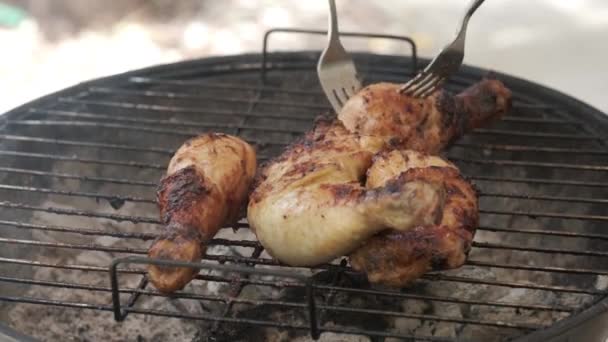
(334,35)
(473,6)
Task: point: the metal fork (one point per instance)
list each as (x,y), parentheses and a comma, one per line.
(336,69)
(445,64)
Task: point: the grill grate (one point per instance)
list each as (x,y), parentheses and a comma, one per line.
(80,167)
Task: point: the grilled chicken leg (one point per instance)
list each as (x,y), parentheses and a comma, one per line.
(207,182)
(397,257)
(425,125)
(311,207)
(311,204)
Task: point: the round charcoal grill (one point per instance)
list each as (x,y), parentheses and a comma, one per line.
(78,174)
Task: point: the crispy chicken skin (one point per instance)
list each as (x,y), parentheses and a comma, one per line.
(395,258)
(311,207)
(424,125)
(206,184)
(348,188)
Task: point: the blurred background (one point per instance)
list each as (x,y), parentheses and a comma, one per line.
(51,44)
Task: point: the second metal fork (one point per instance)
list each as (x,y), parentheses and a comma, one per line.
(445,64)
(336,69)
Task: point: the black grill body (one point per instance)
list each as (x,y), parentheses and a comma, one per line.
(79,169)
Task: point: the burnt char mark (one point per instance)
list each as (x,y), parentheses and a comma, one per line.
(396,118)
(325,119)
(438,214)
(439,262)
(178,234)
(451,116)
(421,127)
(453,190)
(260,175)
(381,155)
(179,191)
(488,99)
(470,221)
(258,194)
(408,247)
(343,192)
(431,174)
(424,248)
(366,98)
(419,235)
(392,187)
(301,169)
(396,142)
(454,117)
(318,138)
(408,107)
(306,144)
(467,216)
(243,162)
(256,189)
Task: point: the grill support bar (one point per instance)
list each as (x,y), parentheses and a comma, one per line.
(412,44)
(120,314)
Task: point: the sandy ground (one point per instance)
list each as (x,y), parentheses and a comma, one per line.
(559,43)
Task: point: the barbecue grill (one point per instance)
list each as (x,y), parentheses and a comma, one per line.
(77,180)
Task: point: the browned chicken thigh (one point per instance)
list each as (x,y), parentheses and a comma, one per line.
(413,213)
(395,257)
(311,206)
(206,185)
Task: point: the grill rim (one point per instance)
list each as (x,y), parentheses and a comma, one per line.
(540,91)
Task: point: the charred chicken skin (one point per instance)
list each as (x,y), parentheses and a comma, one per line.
(364,185)
(395,257)
(311,205)
(206,185)
(424,125)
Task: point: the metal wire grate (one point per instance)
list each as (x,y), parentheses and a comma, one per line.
(80,167)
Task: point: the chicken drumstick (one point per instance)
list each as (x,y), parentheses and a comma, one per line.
(207,182)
